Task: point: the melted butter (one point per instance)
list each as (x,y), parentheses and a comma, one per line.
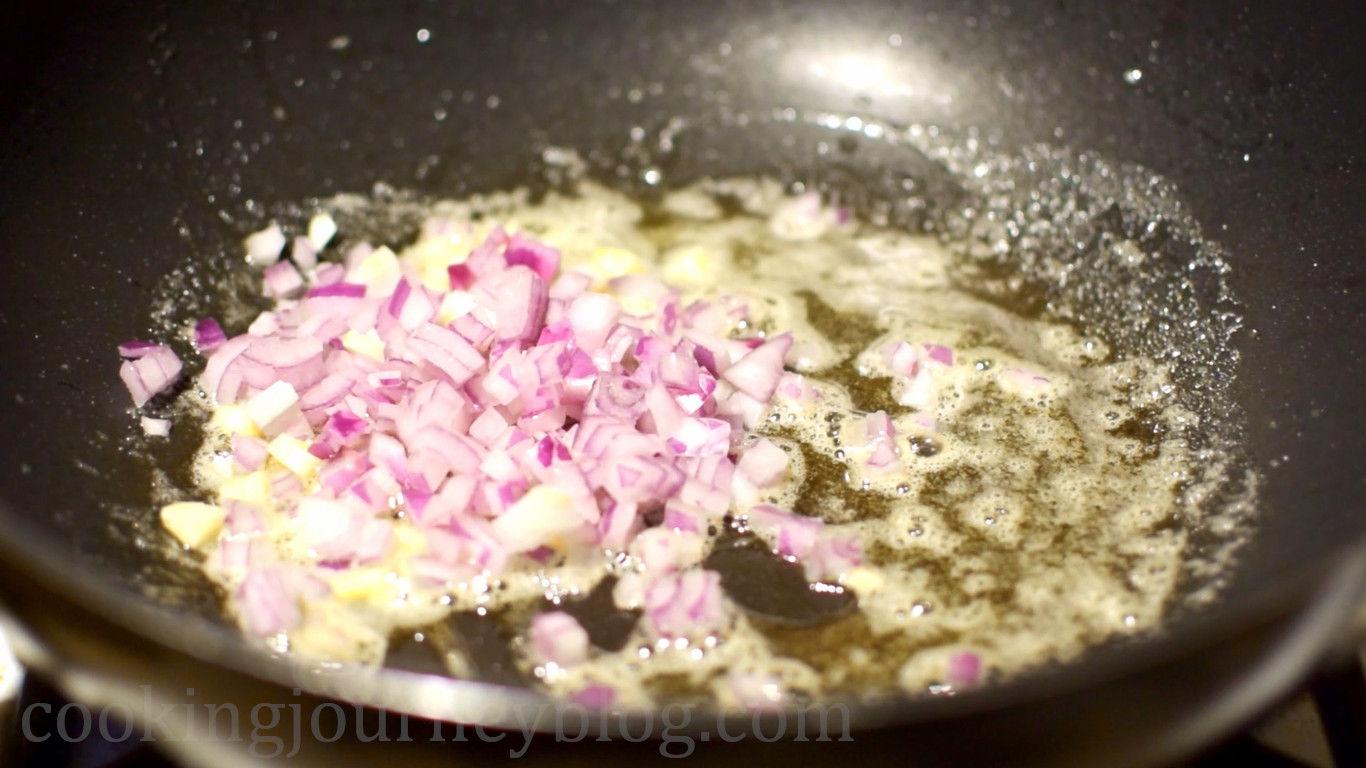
(1020,526)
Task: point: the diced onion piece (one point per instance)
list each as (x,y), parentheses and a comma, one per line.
(792,535)
(504,409)
(281,280)
(303,254)
(208,335)
(136,348)
(541,258)
(763,463)
(269,605)
(249,453)
(878,426)
(757,373)
(557,638)
(663,550)
(963,670)
(594,696)
(151,373)
(833,557)
(1024,383)
(593,316)
(688,604)
(939,354)
(318,521)
(453,305)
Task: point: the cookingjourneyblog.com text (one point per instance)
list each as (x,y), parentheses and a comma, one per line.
(270,730)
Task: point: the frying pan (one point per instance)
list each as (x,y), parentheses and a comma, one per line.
(140,138)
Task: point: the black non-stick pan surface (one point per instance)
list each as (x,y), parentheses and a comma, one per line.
(139,137)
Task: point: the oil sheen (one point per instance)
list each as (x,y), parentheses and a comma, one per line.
(1032,508)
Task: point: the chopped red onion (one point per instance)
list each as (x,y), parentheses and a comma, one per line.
(569,285)
(265,324)
(208,335)
(593,316)
(595,696)
(557,638)
(519,298)
(878,426)
(248,452)
(517,413)
(795,388)
(316,401)
(679,517)
(964,669)
(243,518)
(762,464)
(268,602)
(689,604)
(939,353)
(1025,383)
(136,348)
(641,479)
(447,351)
(915,366)
(341,430)
(327,274)
(303,254)
(338,289)
(541,258)
(616,396)
(411,305)
(757,373)
(880,435)
(700,437)
(833,556)
(235,555)
(618,525)
(792,535)
(883,456)
(152,372)
(908,359)
(664,550)
(281,280)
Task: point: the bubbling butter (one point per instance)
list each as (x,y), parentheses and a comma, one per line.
(1025,508)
